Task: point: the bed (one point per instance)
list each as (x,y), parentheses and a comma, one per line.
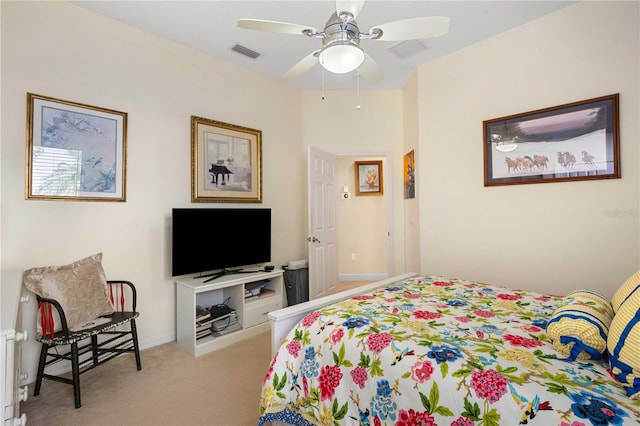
(429,350)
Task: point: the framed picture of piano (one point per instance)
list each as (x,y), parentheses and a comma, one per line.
(226,162)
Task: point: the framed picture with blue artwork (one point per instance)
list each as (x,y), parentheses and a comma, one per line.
(75,152)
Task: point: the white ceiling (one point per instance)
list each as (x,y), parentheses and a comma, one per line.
(210,27)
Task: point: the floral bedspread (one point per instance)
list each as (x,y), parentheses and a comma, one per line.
(437,351)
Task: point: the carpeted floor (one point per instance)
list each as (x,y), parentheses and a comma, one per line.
(221,388)
(173,388)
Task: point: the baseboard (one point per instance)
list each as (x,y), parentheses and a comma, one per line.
(361,277)
(65,367)
(156,342)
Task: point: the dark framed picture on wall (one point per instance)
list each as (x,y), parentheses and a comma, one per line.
(75,151)
(369,178)
(571,142)
(226,162)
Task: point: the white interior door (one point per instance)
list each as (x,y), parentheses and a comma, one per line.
(323,235)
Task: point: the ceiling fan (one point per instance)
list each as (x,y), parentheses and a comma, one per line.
(341,52)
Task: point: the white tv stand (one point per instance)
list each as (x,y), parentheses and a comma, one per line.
(252,313)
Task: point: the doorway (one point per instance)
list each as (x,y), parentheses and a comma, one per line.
(372,240)
(364,225)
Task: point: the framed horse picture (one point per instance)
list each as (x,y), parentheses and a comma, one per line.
(571,142)
(226,162)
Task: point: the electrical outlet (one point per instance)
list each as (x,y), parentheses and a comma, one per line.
(353,256)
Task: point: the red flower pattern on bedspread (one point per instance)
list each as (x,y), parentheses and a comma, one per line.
(378,341)
(359,376)
(310,319)
(426,315)
(413,418)
(434,351)
(329,380)
(522,341)
(267,376)
(489,385)
(336,336)
(509,296)
(421,371)
(293,347)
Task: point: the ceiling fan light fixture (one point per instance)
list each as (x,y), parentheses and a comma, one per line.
(341,56)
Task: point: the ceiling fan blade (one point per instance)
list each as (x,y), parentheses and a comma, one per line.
(352,6)
(273,26)
(414,28)
(370,70)
(303,66)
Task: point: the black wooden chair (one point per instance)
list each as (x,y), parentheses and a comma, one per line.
(94,344)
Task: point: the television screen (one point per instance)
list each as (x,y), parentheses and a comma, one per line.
(216,239)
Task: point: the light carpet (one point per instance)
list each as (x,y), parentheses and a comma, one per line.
(173,388)
(221,388)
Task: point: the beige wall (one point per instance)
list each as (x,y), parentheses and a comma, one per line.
(59,50)
(362,227)
(411,206)
(551,237)
(334,124)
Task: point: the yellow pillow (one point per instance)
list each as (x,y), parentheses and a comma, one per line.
(627,289)
(623,345)
(578,327)
(80,288)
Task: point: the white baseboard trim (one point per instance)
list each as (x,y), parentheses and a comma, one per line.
(156,342)
(361,277)
(65,367)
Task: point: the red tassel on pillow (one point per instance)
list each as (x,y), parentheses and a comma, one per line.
(46,319)
(121,297)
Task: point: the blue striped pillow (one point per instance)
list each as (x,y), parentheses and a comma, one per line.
(578,328)
(623,345)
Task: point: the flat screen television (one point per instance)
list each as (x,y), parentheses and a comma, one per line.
(219,239)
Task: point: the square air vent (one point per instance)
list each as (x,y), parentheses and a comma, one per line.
(245,51)
(408,48)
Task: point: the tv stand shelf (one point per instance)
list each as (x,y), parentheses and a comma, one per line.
(251,312)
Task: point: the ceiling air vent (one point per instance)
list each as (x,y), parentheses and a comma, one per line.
(408,48)
(245,51)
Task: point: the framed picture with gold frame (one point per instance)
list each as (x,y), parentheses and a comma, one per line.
(74,151)
(226,162)
(369,179)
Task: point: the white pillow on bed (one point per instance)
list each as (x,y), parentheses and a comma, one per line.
(578,328)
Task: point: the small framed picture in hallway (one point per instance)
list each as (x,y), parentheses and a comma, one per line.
(369,177)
